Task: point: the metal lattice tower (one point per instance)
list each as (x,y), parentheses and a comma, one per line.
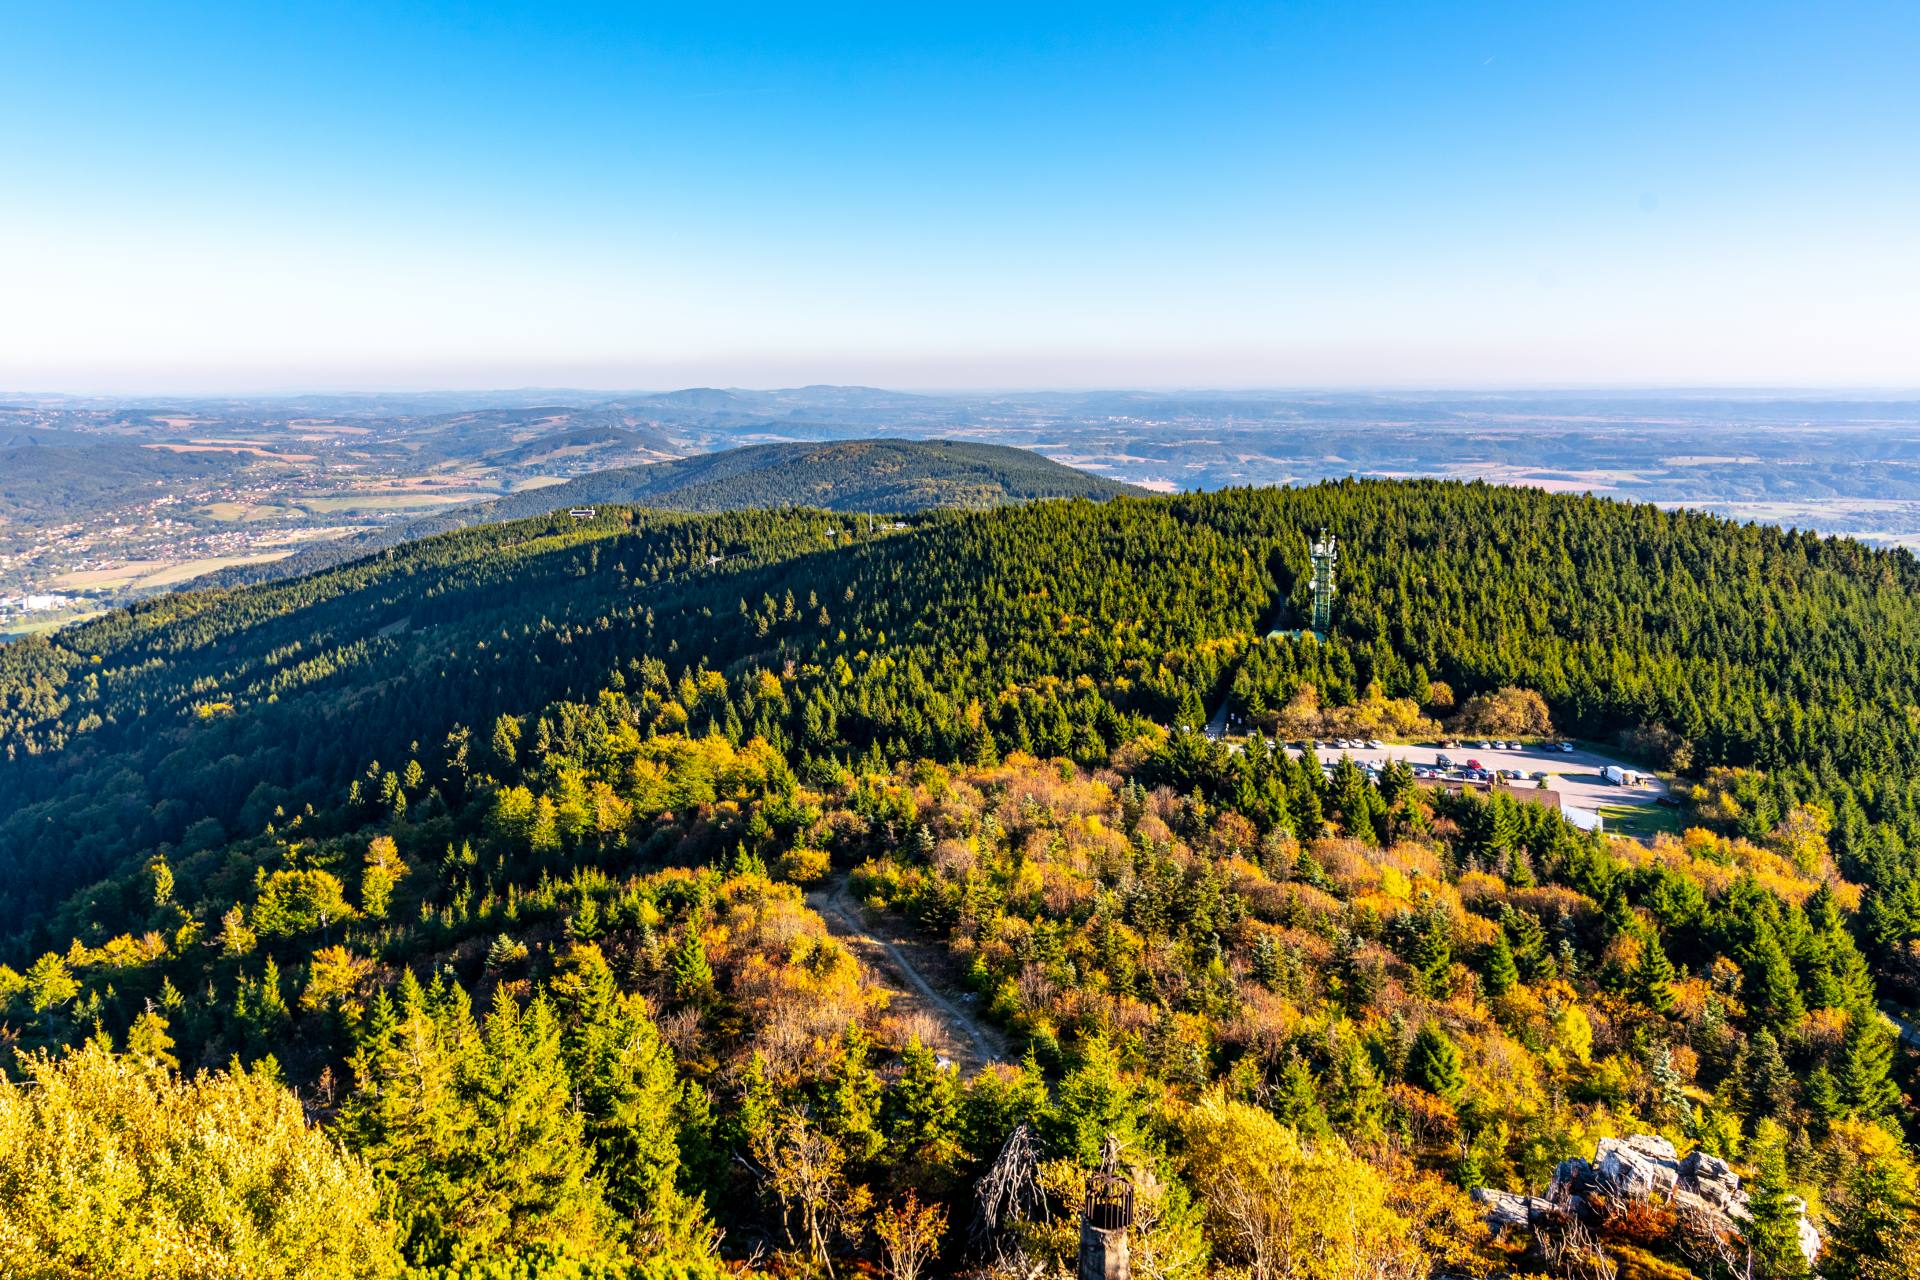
(1324,552)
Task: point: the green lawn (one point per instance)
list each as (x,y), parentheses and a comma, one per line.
(1640,821)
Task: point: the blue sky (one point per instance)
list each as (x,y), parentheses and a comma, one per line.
(260,197)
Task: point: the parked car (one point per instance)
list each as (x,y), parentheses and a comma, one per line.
(1374,744)
(1474,765)
(1444,760)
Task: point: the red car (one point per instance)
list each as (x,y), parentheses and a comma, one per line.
(1474,764)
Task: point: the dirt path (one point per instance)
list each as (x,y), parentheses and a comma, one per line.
(897,963)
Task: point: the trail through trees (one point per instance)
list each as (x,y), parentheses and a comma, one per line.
(896,965)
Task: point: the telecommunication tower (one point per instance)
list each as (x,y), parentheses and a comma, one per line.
(1324,552)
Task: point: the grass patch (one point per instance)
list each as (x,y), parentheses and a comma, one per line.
(140,575)
(1640,821)
(388,501)
(245,511)
(40,626)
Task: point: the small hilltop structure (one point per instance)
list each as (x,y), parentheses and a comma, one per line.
(1326,550)
(1105,1216)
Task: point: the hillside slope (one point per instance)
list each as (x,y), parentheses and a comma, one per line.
(1720,644)
(580,773)
(878,476)
(76,476)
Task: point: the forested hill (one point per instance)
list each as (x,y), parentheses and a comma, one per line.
(854,475)
(878,476)
(579,773)
(1062,627)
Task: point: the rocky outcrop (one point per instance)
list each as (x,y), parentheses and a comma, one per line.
(1505,1209)
(1701,1189)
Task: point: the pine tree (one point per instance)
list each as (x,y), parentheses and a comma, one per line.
(627,1091)
(920,1111)
(1653,976)
(1502,974)
(1873,1232)
(1765,1084)
(1431,954)
(1865,1073)
(1773,1233)
(692,975)
(1296,1102)
(149,1043)
(1434,1063)
(1773,990)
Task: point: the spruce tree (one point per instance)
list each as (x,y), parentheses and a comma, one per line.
(627,1091)
(1773,992)
(1434,1063)
(1431,953)
(1528,939)
(920,1111)
(1765,1084)
(1653,976)
(519,1099)
(1356,1101)
(1865,1074)
(692,975)
(1873,1232)
(1773,1233)
(850,1107)
(1502,974)
(1296,1101)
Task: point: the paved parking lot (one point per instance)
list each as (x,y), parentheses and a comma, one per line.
(1575,776)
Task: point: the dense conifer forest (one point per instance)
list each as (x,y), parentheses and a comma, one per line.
(465,910)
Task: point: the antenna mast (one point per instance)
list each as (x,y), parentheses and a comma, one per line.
(1324,552)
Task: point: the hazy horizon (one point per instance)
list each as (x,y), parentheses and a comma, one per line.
(1625,391)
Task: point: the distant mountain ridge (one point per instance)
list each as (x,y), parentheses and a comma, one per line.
(878,475)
